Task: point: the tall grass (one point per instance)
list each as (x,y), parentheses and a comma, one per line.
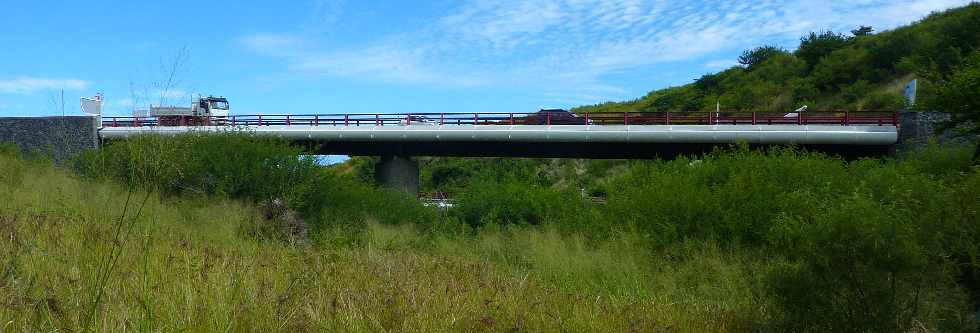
(737,240)
(188,268)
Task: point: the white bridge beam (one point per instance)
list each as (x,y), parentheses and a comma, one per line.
(699,134)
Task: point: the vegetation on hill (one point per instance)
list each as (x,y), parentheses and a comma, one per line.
(860,70)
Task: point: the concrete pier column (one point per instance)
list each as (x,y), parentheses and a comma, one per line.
(398,173)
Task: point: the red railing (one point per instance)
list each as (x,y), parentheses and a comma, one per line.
(843,118)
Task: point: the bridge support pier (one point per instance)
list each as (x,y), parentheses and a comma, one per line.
(398,173)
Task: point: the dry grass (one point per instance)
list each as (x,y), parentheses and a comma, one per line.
(187,267)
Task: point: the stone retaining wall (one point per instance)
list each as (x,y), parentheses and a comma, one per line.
(61,137)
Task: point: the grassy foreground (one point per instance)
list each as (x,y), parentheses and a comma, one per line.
(184,263)
(167,234)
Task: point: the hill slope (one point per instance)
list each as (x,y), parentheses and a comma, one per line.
(859,70)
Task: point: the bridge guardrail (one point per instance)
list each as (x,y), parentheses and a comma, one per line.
(842,118)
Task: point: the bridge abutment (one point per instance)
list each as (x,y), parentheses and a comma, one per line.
(60,137)
(398,173)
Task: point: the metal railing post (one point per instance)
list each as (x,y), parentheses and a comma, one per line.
(549,119)
(260,120)
(753,118)
(586,118)
(442,119)
(476,119)
(377,120)
(408,119)
(512,118)
(346,119)
(316,119)
(667,118)
(287,120)
(626,118)
(847,119)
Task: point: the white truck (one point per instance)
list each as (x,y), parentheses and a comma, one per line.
(203,111)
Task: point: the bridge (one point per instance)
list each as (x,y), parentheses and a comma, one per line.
(604,135)
(397,137)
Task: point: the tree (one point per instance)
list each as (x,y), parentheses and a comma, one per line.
(959,94)
(864,30)
(815,47)
(753,57)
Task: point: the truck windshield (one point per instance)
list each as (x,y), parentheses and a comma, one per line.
(219,105)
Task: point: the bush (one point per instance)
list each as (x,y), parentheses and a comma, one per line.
(862,266)
(237,165)
(884,101)
(332,200)
(258,169)
(9,150)
(730,196)
(869,245)
(511,201)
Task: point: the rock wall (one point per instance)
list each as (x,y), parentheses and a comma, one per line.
(920,126)
(61,137)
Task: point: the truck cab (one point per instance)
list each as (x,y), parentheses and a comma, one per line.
(213,106)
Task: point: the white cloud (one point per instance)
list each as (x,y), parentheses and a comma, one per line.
(26,85)
(125,103)
(380,64)
(572,47)
(718,64)
(327,12)
(172,93)
(270,43)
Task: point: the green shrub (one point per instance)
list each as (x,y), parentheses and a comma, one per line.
(884,101)
(860,265)
(331,200)
(12,166)
(511,201)
(237,165)
(730,196)
(9,150)
(870,245)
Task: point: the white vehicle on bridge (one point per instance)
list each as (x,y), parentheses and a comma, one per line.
(417,120)
(204,110)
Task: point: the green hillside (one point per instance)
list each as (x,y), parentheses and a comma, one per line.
(857,70)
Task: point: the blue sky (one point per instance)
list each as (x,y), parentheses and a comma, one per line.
(322,56)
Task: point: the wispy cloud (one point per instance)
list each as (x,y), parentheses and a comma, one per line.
(124,103)
(718,64)
(27,85)
(270,42)
(574,47)
(173,93)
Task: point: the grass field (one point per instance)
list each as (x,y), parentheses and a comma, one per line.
(737,240)
(184,263)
